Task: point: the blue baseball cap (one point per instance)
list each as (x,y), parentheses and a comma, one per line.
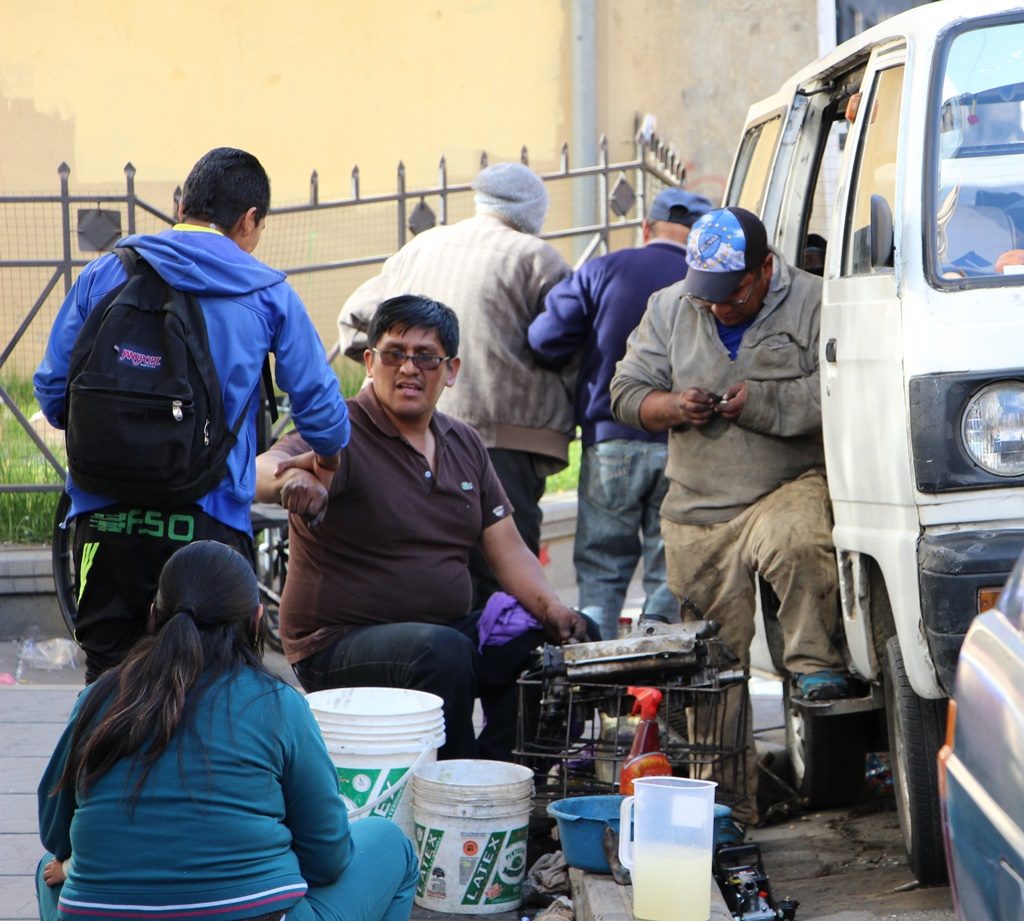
(679,207)
(722,247)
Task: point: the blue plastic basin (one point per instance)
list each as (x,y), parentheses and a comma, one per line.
(581,823)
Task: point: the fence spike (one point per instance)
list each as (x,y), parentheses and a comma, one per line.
(129,169)
(565,157)
(314,188)
(524,156)
(483,159)
(355,182)
(63,170)
(401,172)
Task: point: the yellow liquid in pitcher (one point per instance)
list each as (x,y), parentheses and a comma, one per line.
(671,884)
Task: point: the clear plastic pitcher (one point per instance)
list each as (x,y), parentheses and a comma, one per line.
(666,838)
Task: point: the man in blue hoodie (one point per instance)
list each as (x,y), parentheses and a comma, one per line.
(250,310)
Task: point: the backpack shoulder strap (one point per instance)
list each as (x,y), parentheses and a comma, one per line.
(130,258)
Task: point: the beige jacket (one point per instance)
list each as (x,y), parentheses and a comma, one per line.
(720,469)
(495,278)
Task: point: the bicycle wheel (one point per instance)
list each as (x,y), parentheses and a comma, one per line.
(270,541)
(63,563)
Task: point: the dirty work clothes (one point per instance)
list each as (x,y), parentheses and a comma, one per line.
(524,485)
(240,815)
(395,540)
(786,538)
(622,486)
(717,470)
(442,660)
(118,554)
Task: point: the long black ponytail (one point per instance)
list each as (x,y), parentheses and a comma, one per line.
(203,624)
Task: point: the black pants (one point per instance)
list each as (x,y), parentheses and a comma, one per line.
(119,552)
(442,660)
(524,486)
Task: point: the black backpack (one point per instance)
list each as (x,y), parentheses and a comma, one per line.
(145,412)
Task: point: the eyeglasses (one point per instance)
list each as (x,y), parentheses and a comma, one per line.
(395,358)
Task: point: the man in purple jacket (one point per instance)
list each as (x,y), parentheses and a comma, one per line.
(622,480)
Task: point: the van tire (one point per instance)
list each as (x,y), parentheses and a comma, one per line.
(827,754)
(916,726)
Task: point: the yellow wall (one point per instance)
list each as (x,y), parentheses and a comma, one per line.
(313,84)
(328,84)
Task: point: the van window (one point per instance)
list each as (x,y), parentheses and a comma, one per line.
(977,194)
(753,163)
(875,173)
(822,200)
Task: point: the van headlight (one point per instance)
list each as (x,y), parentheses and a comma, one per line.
(992,428)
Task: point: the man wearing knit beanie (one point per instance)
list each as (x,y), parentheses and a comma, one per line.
(513,192)
(494,272)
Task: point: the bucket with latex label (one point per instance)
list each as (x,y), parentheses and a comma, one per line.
(376,738)
(471,825)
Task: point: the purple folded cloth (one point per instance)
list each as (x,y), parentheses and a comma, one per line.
(503,619)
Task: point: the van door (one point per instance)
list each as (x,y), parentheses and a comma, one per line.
(863,394)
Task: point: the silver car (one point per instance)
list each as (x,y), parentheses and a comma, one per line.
(981,766)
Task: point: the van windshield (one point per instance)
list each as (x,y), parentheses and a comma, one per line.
(979,182)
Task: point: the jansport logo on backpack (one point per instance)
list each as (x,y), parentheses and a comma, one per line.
(145,414)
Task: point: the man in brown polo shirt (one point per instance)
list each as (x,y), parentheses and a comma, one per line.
(379,589)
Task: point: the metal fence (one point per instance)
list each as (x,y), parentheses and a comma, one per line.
(327,249)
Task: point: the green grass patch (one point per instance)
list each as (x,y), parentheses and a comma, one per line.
(566,481)
(25,517)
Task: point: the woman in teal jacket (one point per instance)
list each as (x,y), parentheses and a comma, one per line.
(192,783)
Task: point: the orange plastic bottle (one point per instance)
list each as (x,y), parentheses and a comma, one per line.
(646,759)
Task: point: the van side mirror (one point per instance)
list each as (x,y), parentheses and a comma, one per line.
(882,240)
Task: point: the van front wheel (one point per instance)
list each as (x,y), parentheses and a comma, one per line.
(915,733)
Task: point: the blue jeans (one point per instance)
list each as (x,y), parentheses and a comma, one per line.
(622,486)
(378,885)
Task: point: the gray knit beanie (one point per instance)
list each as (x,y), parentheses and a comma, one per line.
(513,192)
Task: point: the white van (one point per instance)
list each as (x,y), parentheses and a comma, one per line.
(904,150)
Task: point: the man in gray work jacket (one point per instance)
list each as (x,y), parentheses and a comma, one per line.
(727,361)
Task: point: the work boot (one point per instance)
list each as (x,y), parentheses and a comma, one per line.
(824,685)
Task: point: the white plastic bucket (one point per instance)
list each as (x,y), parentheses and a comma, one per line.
(376,737)
(472,820)
(373,706)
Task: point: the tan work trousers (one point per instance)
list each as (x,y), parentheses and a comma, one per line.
(786,537)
